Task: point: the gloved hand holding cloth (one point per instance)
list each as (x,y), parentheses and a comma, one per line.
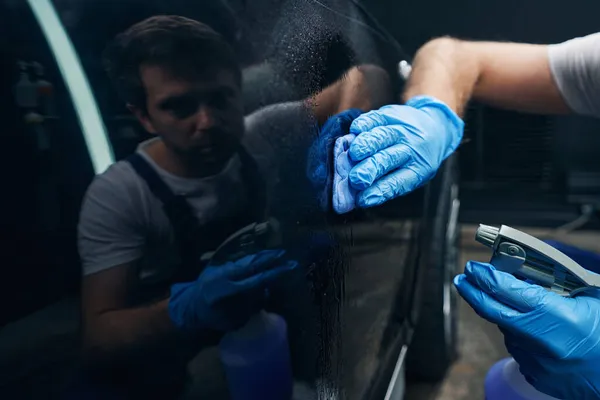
(382,154)
(224,297)
(398,148)
(554,339)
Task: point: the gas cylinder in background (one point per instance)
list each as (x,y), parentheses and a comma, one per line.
(504,381)
(256,359)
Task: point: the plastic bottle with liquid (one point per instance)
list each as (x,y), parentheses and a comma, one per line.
(25,91)
(504,381)
(45,90)
(256,359)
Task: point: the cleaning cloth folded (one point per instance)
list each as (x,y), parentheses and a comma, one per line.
(323,158)
(344,196)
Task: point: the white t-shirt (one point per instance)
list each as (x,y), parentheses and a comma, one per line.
(122,221)
(575,65)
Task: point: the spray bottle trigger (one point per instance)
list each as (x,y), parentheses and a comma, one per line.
(508,257)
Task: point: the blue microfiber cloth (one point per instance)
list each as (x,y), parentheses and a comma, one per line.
(344,196)
(321,162)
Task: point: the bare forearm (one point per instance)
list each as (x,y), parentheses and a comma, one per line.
(514,76)
(441,70)
(123,328)
(135,333)
(365,87)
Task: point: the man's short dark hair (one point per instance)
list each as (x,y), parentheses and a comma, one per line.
(185,47)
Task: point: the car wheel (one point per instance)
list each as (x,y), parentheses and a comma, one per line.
(434,345)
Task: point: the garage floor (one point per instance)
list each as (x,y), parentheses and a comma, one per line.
(481,344)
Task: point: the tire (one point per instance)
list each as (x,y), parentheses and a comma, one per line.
(434,345)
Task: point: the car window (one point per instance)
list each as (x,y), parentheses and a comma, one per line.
(73,126)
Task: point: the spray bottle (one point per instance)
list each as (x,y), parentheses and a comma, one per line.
(256,357)
(26,94)
(504,381)
(527,257)
(45,90)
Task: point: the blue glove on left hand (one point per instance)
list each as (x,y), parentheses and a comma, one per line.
(401,147)
(224,297)
(554,339)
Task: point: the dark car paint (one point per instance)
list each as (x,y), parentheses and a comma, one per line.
(352,308)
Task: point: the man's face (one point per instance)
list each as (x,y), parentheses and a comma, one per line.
(200,120)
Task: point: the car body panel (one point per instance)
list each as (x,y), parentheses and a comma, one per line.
(350,309)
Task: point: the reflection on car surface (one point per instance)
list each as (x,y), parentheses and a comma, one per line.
(365,282)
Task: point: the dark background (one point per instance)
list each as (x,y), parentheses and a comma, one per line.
(516,169)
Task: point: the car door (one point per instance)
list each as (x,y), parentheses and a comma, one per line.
(348,309)
(364,288)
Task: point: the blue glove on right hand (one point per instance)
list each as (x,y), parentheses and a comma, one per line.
(554,339)
(400,148)
(224,297)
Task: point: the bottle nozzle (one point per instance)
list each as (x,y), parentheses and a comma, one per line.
(487,235)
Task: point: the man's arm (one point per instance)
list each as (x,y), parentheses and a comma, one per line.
(112,330)
(398,148)
(110,243)
(365,87)
(508,75)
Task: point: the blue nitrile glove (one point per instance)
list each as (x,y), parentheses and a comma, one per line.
(319,168)
(224,297)
(401,147)
(554,339)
